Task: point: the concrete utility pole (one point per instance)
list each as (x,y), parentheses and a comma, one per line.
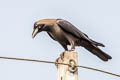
(66,72)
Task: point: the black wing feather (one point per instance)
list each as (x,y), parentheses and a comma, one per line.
(68,27)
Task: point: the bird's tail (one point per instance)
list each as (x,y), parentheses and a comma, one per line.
(96,51)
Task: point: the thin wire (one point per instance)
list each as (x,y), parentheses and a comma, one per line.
(32,60)
(99,70)
(50,62)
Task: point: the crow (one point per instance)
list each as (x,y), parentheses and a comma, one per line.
(67,34)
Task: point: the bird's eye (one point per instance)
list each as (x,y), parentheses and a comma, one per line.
(39,27)
(35,25)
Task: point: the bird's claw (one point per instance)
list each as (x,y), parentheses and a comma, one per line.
(71,50)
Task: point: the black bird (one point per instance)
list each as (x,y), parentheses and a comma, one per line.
(67,34)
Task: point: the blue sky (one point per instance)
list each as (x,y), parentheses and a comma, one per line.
(99,19)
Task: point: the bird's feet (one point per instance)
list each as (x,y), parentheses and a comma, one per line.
(71,50)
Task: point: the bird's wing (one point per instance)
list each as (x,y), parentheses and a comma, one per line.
(68,27)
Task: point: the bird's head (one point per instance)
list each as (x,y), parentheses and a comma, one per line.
(41,25)
(37,28)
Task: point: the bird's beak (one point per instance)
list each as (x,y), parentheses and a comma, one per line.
(35,31)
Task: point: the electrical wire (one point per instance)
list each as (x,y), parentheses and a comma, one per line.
(50,62)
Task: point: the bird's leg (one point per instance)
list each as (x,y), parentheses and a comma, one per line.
(72,45)
(65,47)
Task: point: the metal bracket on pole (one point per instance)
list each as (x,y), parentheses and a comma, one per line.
(65,71)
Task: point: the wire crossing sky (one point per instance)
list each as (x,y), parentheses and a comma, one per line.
(99,19)
(51,62)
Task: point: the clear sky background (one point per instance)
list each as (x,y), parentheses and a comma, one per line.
(99,19)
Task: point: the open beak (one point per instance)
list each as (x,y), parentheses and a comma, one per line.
(35,31)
